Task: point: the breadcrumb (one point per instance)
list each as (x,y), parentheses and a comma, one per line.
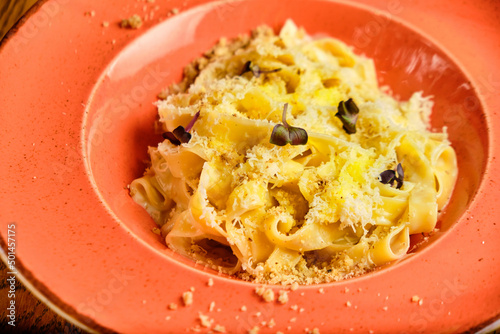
(254,330)
(133,22)
(105,24)
(163,94)
(314,331)
(268,295)
(219,328)
(294,307)
(187,298)
(175,11)
(212,306)
(271,323)
(415,299)
(348,303)
(243,308)
(205,320)
(172,306)
(322,291)
(210,282)
(294,286)
(283,296)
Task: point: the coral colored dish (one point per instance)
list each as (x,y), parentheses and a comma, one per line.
(76,107)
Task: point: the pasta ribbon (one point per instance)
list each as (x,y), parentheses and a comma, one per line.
(392,246)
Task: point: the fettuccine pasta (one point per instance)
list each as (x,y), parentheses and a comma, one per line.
(311,212)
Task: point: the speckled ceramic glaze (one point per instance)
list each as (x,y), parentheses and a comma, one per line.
(77,115)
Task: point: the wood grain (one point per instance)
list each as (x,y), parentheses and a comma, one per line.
(11,11)
(31,315)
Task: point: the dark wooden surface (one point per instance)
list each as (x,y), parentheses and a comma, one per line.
(31,315)
(11,11)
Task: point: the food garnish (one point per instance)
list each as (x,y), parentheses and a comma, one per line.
(390,176)
(284,133)
(256,70)
(181,135)
(348,114)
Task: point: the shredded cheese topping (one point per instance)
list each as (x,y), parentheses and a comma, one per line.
(295,213)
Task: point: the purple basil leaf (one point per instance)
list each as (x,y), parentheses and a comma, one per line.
(181,134)
(298,136)
(387,176)
(284,133)
(171,137)
(400,171)
(280,135)
(190,125)
(348,114)
(247,67)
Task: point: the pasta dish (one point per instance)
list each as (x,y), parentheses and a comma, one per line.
(284,161)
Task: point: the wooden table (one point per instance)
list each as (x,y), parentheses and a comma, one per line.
(32,316)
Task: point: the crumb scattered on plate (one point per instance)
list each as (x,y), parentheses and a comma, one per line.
(133,22)
(187,298)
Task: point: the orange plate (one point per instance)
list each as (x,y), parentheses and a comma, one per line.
(77,114)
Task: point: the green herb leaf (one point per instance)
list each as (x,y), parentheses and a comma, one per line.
(181,135)
(256,70)
(284,133)
(348,114)
(390,176)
